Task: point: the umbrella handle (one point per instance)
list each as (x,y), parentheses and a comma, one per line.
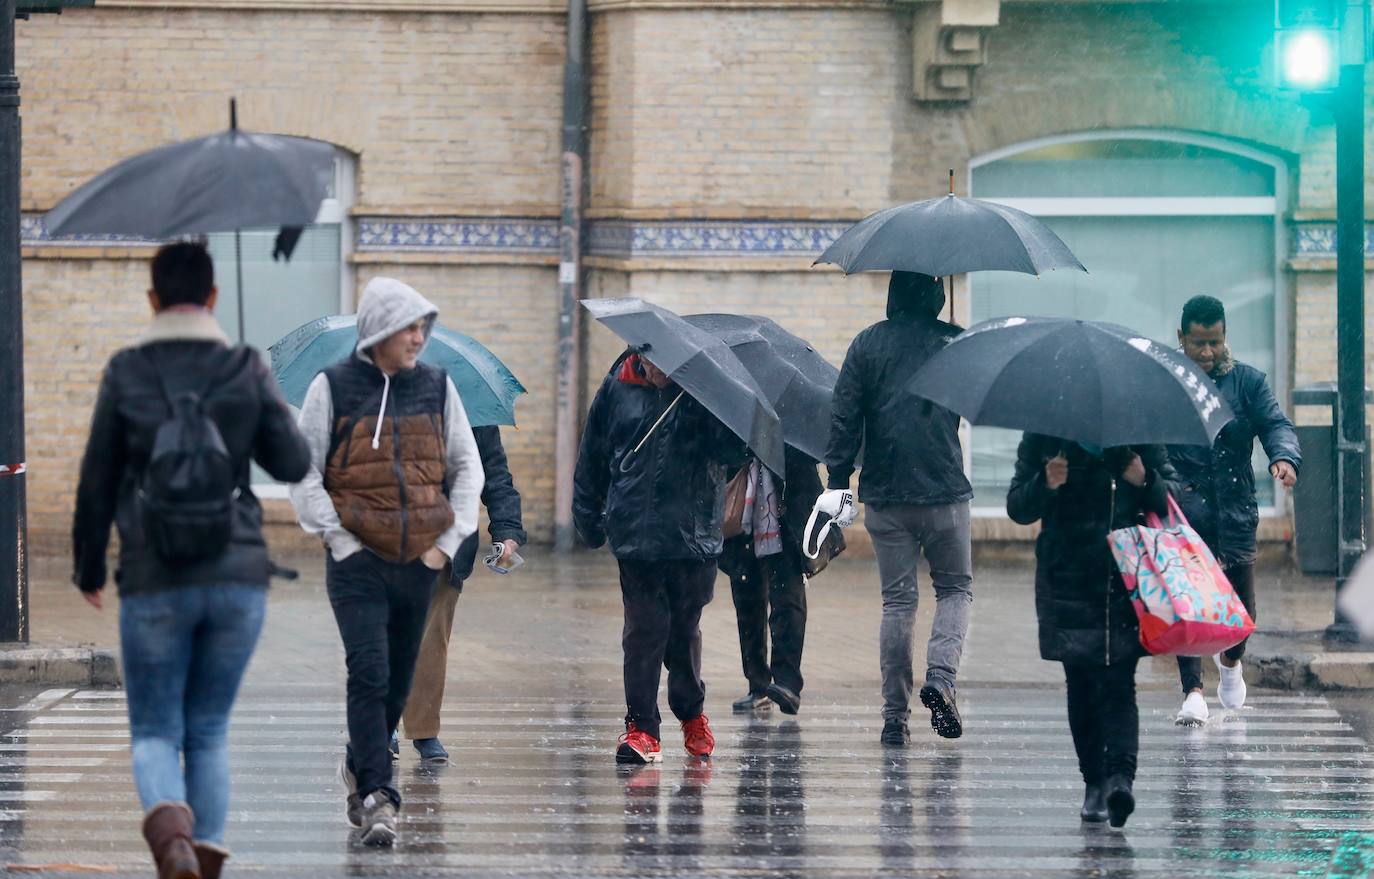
(625,461)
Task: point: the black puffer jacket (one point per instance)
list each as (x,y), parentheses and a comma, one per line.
(1217,485)
(910,445)
(669,500)
(256,426)
(498,496)
(800,488)
(1084,612)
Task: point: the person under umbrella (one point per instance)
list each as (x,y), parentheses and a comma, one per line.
(650,480)
(916,496)
(1218,485)
(1079,492)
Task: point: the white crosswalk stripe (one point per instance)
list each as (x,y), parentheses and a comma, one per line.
(1283,787)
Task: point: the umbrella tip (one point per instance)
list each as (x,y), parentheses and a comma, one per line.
(951,181)
(233,114)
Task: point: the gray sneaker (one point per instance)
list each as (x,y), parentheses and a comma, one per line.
(379,820)
(354,810)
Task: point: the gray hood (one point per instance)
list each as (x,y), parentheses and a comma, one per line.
(387,307)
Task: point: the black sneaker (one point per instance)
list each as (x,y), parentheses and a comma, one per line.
(1094,804)
(896,734)
(944,710)
(750,702)
(788,701)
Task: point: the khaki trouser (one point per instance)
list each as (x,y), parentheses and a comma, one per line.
(421,717)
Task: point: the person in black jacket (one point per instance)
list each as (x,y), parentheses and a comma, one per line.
(1218,485)
(421,717)
(650,479)
(916,496)
(768,584)
(187,629)
(1086,619)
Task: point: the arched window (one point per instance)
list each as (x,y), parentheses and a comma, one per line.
(1156,217)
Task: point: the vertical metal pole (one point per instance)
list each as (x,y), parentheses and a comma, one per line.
(1350,279)
(14,569)
(570,245)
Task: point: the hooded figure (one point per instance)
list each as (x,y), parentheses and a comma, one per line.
(392,489)
(916,494)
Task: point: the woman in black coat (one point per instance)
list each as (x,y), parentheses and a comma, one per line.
(1086,620)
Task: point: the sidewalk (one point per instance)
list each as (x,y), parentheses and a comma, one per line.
(512,629)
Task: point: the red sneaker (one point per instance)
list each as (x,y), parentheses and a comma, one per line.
(637,746)
(697,737)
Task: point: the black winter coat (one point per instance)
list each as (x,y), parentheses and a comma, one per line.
(669,501)
(256,425)
(1217,485)
(1084,611)
(910,445)
(800,488)
(498,496)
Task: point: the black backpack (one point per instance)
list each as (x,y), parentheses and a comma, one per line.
(187,493)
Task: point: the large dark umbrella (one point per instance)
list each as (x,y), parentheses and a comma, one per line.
(1085,381)
(222,183)
(797,380)
(703,366)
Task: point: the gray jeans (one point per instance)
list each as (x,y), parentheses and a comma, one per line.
(901,533)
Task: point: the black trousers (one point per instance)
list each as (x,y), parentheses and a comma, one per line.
(380,608)
(765,603)
(1104,719)
(1242,578)
(663,602)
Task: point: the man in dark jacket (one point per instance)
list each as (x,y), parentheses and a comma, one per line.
(768,582)
(650,480)
(916,494)
(1218,484)
(187,626)
(421,717)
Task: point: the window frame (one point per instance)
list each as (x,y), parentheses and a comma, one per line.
(1199,206)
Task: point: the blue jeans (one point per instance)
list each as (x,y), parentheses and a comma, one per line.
(185,651)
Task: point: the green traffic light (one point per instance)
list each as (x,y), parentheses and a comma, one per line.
(1308,59)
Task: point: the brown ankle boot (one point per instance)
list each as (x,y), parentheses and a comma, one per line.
(211,857)
(167,827)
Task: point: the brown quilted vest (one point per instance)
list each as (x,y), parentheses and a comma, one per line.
(392,498)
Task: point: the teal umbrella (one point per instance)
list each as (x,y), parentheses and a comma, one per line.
(486,386)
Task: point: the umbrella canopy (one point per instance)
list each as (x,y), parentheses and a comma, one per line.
(797,380)
(486,386)
(1090,382)
(703,366)
(948,236)
(227,181)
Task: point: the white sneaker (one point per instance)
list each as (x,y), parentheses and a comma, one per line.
(1231,690)
(1193,712)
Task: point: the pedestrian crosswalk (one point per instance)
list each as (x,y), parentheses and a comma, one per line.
(1283,787)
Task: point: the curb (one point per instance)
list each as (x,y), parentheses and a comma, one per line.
(71,666)
(1311,671)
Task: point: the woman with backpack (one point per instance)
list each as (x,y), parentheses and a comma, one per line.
(180,416)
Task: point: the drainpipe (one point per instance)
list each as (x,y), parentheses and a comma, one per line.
(570,334)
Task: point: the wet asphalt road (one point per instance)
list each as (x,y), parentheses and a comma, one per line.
(1283,787)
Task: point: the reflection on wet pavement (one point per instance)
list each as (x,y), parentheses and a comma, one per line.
(1284,787)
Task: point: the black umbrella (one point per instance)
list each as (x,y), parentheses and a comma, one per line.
(703,366)
(948,236)
(222,183)
(1085,381)
(797,380)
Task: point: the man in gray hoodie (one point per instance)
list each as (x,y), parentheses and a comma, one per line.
(392,489)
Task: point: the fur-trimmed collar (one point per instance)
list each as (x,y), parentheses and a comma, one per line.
(1225,364)
(181,324)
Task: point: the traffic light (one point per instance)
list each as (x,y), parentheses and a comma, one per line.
(1307,53)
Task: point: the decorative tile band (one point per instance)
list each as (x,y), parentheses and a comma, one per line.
(456,235)
(1318,240)
(625,239)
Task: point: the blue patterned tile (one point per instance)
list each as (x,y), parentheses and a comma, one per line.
(713,238)
(33,233)
(1318,240)
(454,234)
